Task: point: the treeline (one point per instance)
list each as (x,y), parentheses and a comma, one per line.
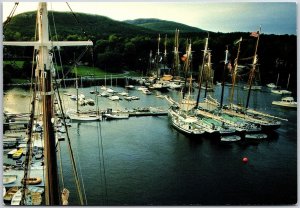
(120,46)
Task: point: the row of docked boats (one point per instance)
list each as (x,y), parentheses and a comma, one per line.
(228,128)
(229,122)
(14,195)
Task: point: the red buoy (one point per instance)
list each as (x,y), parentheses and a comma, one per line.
(245,159)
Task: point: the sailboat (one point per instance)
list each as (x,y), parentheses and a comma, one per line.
(179,113)
(45,72)
(281,91)
(272,85)
(159,83)
(76,115)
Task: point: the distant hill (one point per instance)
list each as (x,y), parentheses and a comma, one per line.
(163,26)
(94,25)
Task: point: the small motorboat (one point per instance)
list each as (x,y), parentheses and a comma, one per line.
(7,179)
(117,116)
(256,136)
(32,181)
(36,189)
(18,154)
(231,138)
(17,197)
(286,102)
(39,156)
(10,193)
(271,85)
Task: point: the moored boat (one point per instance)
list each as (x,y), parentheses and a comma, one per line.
(231,138)
(18,154)
(281,92)
(32,181)
(256,136)
(286,102)
(186,125)
(10,193)
(17,197)
(271,85)
(7,179)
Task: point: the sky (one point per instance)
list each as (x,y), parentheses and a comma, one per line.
(229,16)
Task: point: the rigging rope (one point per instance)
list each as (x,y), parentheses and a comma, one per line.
(100,139)
(60,164)
(33,89)
(60,60)
(11,14)
(69,147)
(74,15)
(81,178)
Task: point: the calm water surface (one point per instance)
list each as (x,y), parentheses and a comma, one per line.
(146,162)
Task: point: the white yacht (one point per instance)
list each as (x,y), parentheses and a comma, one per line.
(286,102)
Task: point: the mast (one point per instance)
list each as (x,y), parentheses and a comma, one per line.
(201,71)
(288,82)
(51,177)
(157,59)
(77,107)
(277,79)
(252,72)
(150,60)
(235,70)
(176,54)
(165,53)
(186,65)
(45,73)
(224,72)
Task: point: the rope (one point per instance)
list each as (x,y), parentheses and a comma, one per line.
(60,165)
(100,139)
(60,60)
(70,148)
(81,178)
(74,15)
(7,21)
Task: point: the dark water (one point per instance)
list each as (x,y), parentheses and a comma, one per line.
(147,162)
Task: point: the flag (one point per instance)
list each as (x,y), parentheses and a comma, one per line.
(184,57)
(254,34)
(237,41)
(229,67)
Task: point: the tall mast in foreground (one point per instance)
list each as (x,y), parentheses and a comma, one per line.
(44,72)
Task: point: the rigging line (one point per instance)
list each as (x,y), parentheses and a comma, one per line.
(104,171)
(69,146)
(59,55)
(81,177)
(60,165)
(74,15)
(29,149)
(76,61)
(99,154)
(7,21)
(29,129)
(32,65)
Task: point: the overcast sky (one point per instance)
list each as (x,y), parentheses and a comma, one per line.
(274,17)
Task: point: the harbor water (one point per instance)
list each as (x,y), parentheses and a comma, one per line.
(144,161)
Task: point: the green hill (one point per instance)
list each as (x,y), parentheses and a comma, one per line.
(66,25)
(163,26)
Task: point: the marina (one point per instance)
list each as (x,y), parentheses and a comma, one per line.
(173,137)
(157,134)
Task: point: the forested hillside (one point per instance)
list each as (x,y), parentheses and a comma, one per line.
(120,46)
(163,26)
